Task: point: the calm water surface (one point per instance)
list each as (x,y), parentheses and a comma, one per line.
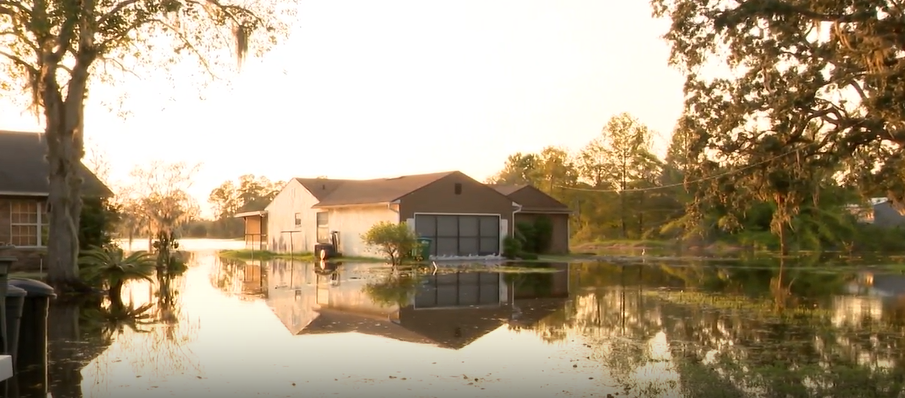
(277,328)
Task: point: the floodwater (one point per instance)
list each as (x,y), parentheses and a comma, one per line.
(276,328)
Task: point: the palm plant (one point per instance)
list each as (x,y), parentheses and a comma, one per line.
(112,268)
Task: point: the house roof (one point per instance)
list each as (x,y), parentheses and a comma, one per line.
(259,213)
(359,192)
(507,189)
(541,202)
(24,168)
(448,328)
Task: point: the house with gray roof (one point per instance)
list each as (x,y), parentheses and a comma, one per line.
(24,188)
(462,217)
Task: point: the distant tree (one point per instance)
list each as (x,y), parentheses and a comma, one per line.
(619,159)
(248,193)
(520,168)
(160,200)
(255,193)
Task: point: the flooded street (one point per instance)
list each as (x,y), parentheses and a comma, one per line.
(230,328)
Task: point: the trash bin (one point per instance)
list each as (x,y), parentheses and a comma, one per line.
(5,263)
(15,300)
(423,251)
(33,324)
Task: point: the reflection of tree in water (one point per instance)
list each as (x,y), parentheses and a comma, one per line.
(73,340)
(731,344)
(395,289)
(226,279)
(159,350)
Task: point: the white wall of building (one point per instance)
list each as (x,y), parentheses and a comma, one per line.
(294,198)
(352,222)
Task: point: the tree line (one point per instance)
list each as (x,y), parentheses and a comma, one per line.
(619,189)
(156,200)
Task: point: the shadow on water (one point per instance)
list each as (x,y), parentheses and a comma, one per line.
(661,329)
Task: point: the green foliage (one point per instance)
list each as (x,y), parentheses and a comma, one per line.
(394,290)
(781,125)
(535,236)
(248,193)
(391,240)
(512,247)
(111,268)
(98,220)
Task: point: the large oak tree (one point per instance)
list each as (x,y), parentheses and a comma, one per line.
(790,90)
(56,49)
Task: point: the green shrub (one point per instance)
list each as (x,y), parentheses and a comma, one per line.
(543,233)
(511,247)
(392,241)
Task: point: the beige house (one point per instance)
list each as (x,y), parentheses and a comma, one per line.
(461,215)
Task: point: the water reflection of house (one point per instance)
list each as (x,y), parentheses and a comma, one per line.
(242,278)
(448,310)
(874,296)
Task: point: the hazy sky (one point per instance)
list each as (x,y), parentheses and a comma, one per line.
(366,89)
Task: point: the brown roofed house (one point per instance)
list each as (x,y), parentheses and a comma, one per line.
(24,188)
(461,215)
(536,204)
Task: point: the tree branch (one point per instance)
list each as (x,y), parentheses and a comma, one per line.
(187,43)
(19,61)
(4,4)
(113,11)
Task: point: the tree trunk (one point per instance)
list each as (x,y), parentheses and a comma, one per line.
(64,349)
(115,294)
(641,215)
(63,134)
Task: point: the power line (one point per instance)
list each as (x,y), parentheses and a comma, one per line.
(681,184)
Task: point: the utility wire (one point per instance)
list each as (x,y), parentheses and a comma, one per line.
(681,184)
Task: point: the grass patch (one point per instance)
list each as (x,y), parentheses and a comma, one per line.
(622,244)
(728,302)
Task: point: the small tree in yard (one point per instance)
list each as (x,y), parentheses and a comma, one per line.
(390,240)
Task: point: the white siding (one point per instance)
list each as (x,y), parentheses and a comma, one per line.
(352,222)
(294,198)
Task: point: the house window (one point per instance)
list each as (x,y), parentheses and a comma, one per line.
(28,223)
(298,219)
(458,188)
(323,230)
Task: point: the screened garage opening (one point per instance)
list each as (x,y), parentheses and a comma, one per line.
(460,235)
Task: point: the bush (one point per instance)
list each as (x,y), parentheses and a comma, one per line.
(535,236)
(543,233)
(512,247)
(96,223)
(392,241)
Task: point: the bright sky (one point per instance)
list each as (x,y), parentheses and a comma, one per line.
(366,89)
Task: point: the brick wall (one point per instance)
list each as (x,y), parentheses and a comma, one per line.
(4,221)
(28,260)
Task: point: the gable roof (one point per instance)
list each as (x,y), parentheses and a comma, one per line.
(507,189)
(531,198)
(358,192)
(24,168)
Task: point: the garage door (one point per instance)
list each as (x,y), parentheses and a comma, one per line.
(460,235)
